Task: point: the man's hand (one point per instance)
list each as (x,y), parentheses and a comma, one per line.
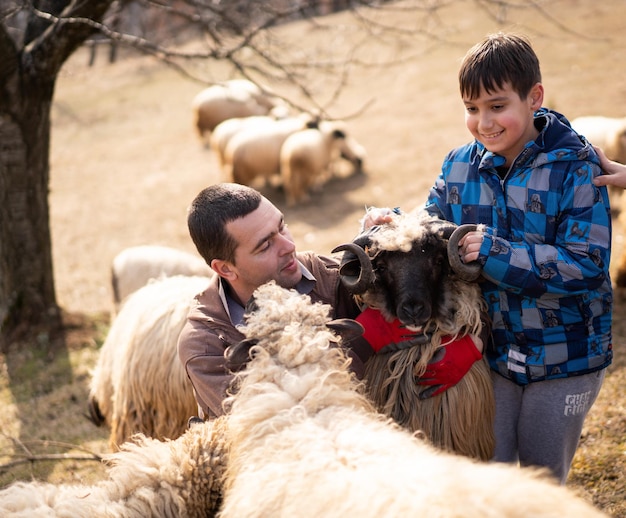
(449,364)
(384,336)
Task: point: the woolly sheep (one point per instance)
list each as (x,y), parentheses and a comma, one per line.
(139,384)
(225,130)
(147,477)
(134,267)
(307,156)
(609,133)
(254,153)
(304,441)
(404,269)
(234,98)
(300,439)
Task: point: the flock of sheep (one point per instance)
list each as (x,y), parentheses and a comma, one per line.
(342,449)
(255,138)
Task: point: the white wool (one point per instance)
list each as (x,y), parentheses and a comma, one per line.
(139,383)
(322,451)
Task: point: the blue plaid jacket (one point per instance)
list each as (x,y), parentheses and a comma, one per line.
(546,250)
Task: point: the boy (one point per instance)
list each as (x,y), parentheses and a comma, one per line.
(544,249)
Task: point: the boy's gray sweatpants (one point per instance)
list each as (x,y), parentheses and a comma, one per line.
(540,424)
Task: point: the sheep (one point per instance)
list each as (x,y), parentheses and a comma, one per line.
(609,133)
(254,152)
(306,158)
(402,269)
(234,98)
(138,383)
(133,267)
(299,438)
(305,441)
(147,477)
(225,130)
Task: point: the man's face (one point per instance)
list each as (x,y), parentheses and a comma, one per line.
(265,251)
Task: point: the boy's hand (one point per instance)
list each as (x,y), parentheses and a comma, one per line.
(377,216)
(469,246)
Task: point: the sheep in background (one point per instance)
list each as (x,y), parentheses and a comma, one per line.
(254,153)
(304,440)
(404,269)
(133,267)
(234,98)
(147,477)
(609,133)
(307,158)
(139,384)
(225,130)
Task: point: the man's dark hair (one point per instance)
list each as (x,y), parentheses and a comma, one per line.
(499,59)
(211,210)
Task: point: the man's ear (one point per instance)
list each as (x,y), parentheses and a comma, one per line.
(224,269)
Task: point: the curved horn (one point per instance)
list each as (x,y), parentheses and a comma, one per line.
(466,272)
(357,273)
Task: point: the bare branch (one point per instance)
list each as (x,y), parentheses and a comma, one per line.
(28,457)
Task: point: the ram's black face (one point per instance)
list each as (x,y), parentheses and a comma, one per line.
(410,283)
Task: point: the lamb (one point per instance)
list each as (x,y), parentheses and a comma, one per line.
(139,384)
(147,477)
(133,267)
(254,153)
(403,269)
(304,439)
(234,98)
(306,158)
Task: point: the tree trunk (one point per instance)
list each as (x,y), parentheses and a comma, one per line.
(28,72)
(27,294)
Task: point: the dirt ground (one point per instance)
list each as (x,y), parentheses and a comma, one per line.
(126,162)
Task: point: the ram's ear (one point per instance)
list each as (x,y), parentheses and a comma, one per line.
(238,355)
(346,328)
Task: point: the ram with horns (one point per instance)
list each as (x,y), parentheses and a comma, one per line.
(409,269)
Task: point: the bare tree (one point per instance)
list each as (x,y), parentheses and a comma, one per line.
(38,36)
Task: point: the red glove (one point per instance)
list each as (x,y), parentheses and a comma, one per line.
(448,365)
(386,337)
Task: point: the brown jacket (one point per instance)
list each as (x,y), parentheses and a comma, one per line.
(209,331)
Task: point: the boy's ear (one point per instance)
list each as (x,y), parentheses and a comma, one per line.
(536,96)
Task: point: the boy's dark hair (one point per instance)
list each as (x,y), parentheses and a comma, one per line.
(209,213)
(498,59)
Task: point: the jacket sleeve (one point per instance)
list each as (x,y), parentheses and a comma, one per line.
(574,260)
(201,351)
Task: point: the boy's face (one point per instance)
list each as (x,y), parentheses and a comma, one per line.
(503,122)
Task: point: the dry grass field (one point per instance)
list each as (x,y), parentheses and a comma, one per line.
(126,162)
